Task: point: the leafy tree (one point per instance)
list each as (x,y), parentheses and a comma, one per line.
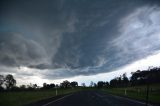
(152,75)
(135,78)
(22,87)
(30,86)
(48,86)
(83,84)
(44,85)
(91,84)
(52,85)
(65,84)
(15,88)
(100,84)
(1,80)
(114,82)
(57,86)
(10,82)
(74,84)
(34,86)
(125,80)
(95,85)
(106,84)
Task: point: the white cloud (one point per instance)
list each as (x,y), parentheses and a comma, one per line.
(139,32)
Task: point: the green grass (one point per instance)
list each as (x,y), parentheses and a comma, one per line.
(138,92)
(24,97)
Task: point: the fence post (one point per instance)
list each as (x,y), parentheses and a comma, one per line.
(125,91)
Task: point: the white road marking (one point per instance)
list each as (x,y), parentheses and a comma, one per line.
(131,100)
(124,98)
(56,100)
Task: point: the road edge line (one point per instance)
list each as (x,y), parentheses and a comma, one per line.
(136,101)
(57,100)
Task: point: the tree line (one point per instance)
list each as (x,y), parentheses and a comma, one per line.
(64,84)
(8,83)
(150,76)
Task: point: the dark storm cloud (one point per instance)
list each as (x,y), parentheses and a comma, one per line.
(65,38)
(17,51)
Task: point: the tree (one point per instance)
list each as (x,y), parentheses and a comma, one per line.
(74,84)
(106,84)
(34,86)
(152,75)
(48,86)
(91,84)
(114,82)
(120,82)
(22,87)
(65,84)
(44,85)
(138,77)
(1,80)
(57,86)
(95,85)
(125,80)
(100,84)
(83,84)
(52,85)
(10,82)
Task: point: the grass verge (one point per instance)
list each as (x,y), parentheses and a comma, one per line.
(138,93)
(21,98)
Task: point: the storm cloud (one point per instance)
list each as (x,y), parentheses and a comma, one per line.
(66,38)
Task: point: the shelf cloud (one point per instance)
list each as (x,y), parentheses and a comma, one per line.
(64,38)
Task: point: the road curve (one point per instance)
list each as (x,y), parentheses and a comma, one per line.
(91,98)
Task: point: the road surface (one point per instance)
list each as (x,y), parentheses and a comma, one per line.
(90,98)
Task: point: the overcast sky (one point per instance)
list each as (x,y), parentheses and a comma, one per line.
(51,40)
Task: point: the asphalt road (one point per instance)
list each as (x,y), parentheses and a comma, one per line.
(91,98)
